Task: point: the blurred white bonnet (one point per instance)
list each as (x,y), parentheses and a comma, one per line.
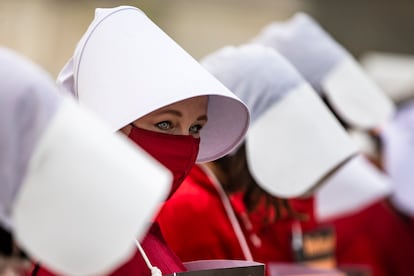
(398,148)
(28,101)
(330,69)
(291,130)
(125,67)
(355,186)
(393,72)
(256,74)
(60,167)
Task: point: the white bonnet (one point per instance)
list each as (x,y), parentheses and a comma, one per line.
(292,130)
(398,148)
(330,69)
(70,191)
(125,67)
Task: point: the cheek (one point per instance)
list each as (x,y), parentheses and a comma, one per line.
(150,126)
(197,136)
(144,124)
(126,130)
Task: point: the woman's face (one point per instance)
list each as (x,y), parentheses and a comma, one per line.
(185,117)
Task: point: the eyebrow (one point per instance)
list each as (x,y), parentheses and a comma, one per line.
(202,118)
(179,114)
(171,111)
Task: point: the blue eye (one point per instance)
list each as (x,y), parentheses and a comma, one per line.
(195,129)
(165,125)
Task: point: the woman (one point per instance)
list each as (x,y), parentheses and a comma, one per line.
(44,197)
(235,203)
(137,79)
(359,104)
(369,232)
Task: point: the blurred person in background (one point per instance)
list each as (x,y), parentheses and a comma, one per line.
(51,209)
(238,206)
(368,231)
(398,156)
(394,73)
(144,85)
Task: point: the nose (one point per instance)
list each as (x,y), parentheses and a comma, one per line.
(183,130)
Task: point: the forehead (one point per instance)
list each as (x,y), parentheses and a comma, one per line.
(194,108)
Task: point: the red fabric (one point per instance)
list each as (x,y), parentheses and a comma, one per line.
(196,226)
(157,251)
(178,153)
(194,222)
(275,237)
(378,237)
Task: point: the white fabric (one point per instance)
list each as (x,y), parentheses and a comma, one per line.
(256,74)
(398,139)
(393,72)
(355,97)
(292,130)
(74,195)
(306,146)
(355,186)
(125,67)
(330,69)
(88,193)
(27,102)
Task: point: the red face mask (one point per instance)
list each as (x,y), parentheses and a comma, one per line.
(176,152)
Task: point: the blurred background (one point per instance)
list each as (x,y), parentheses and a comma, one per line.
(47,30)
